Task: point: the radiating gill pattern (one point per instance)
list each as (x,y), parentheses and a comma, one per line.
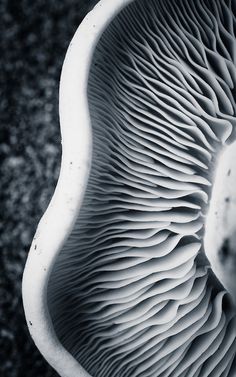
(132,293)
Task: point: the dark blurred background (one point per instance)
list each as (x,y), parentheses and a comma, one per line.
(34,36)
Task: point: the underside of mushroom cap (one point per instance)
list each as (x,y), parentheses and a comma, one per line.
(132,293)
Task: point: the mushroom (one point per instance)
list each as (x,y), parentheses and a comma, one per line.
(122,278)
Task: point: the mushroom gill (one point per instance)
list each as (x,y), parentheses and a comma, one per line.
(132,293)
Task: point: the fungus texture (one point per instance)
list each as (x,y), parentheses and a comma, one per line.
(132,293)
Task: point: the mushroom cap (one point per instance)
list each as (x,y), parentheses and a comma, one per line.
(117,282)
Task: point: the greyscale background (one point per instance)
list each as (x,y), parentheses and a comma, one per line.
(34,38)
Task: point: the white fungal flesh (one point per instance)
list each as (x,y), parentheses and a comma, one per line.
(132,293)
(220,227)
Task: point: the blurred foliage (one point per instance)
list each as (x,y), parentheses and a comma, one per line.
(34,38)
